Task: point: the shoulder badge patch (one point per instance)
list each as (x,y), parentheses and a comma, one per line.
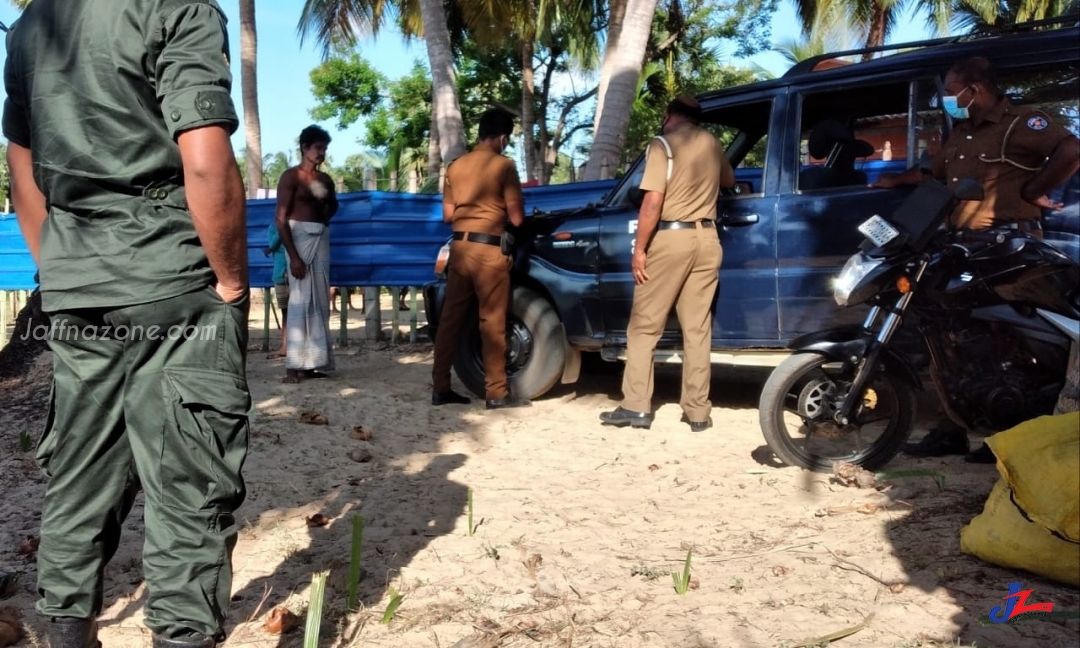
(1037,123)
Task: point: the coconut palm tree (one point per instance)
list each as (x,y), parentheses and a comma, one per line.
(274,165)
(981,15)
(342,21)
(629,26)
(249,89)
(825,29)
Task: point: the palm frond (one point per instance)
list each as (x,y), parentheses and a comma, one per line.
(340,22)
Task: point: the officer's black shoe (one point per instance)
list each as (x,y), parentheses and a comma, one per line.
(698,426)
(198,641)
(984,455)
(69,632)
(940,442)
(448,398)
(506,403)
(622,417)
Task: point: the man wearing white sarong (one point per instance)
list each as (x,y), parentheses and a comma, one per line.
(305,205)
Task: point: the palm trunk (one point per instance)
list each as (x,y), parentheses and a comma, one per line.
(875,35)
(528,116)
(250,93)
(617,15)
(444,98)
(618,95)
(545,156)
(433,147)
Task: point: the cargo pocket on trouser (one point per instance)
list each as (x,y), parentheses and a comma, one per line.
(46,444)
(190,536)
(205,439)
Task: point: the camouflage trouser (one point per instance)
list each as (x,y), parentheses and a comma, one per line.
(167,414)
(1069,398)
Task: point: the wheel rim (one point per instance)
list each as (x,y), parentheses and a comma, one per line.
(816,401)
(807,423)
(519,347)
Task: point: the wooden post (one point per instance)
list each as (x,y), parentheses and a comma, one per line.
(395,317)
(266,320)
(369,180)
(412,315)
(414,181)
(393,181)
(343,337)
(372,314)
(3,317)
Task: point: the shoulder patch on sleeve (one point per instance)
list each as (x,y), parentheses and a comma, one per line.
(1037,123)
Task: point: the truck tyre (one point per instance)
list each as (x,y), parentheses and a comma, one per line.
(535,347)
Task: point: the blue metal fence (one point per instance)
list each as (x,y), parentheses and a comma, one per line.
(377,238)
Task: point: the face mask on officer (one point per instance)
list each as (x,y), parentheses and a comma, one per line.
(951,104)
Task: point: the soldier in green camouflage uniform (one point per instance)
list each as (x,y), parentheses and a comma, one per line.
(118,116)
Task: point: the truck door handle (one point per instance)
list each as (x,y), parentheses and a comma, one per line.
(739,219)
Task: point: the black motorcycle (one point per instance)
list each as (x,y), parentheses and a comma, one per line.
(990,314)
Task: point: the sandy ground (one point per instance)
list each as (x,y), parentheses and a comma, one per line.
(577,527)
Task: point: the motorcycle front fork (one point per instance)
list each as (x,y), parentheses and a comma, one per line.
(848,409)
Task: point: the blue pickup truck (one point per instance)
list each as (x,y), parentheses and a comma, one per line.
(785,231)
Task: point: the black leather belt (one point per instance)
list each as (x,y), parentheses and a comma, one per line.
(477,237)
(674,225)
(1024,225)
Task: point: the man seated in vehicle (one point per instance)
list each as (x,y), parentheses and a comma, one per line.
(1019,154)
(834,142)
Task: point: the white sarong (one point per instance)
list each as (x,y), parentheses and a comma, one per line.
(310,345)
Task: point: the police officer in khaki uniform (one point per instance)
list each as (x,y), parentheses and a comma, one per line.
(118,116)
(480,192)
(1019,155)
(676,259)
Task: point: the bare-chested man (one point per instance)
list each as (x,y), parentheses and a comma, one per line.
(305,204)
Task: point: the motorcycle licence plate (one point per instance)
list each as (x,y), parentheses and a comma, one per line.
(878,230)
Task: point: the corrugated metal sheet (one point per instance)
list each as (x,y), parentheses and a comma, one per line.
(376,239)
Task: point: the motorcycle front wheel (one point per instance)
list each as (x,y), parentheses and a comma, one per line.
(798,403)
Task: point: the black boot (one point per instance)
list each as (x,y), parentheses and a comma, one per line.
(69,632)
(198,641)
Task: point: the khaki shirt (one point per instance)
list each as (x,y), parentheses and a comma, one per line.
(98,90)
(1028,136)
(699,166)
(480,184)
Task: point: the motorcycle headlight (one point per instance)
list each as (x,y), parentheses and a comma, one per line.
(851,275)
(442,260)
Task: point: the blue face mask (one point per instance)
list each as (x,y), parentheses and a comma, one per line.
(951,104)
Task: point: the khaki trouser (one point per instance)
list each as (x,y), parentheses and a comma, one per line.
(683,267)
(484,271)
(169,415)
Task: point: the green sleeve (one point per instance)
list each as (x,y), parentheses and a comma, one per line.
(192,74)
